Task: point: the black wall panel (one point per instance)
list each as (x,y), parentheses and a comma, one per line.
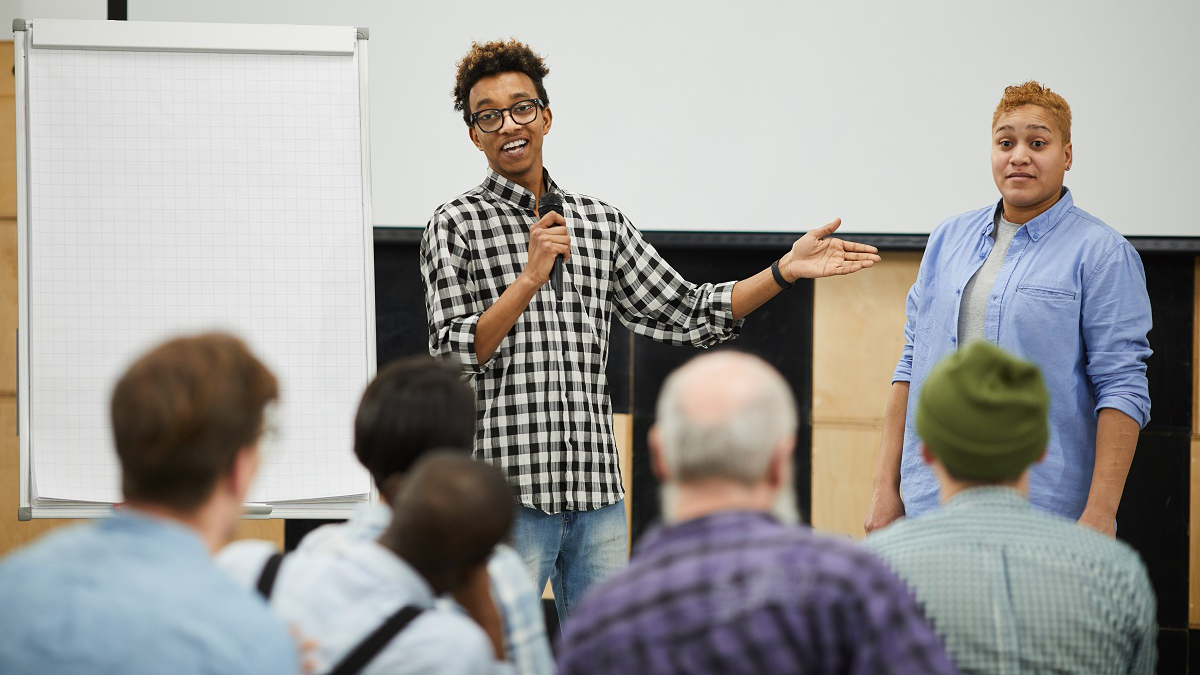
(1153,517)
(780,332)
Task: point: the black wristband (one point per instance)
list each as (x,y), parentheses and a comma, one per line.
(779,276)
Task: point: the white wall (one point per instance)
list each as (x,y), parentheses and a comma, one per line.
(877,112)
(48,9)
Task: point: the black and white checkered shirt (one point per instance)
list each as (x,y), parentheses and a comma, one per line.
(542,399)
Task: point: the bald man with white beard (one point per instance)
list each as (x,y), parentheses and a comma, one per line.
(729,583)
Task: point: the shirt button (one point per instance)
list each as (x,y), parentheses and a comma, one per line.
(953,340)
(958,292)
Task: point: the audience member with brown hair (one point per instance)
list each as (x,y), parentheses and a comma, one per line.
(373,603)
(138,593)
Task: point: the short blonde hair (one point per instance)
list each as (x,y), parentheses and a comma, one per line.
(1034,93)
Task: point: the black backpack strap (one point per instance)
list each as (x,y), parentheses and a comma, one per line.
(266,580)
(369,648)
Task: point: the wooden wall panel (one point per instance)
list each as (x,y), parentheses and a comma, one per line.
(858,332)
(8,307)
(8,133)
(623,430)
(843,458)
(14,533)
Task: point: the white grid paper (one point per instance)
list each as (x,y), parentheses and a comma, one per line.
(179,192)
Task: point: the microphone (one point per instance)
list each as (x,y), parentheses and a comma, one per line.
(552,202)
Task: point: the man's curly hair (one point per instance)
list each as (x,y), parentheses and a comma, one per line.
(493,58)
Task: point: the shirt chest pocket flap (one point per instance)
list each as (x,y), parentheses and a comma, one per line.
(1047,293)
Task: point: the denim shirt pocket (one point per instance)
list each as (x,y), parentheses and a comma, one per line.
(1047,294)
(1044,324)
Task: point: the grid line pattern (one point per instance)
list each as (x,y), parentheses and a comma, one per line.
(180,192)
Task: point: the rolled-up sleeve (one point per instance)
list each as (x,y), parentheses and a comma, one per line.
(452,307)
(1116,318)
(903,372)
(652,299)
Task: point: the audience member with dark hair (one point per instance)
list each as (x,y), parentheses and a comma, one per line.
(138,593)
(1010,588)
(414,406)
(449,515)
(726,587)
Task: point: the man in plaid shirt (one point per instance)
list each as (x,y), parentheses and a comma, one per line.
(729,584)
(537,363)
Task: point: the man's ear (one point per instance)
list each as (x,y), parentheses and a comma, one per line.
(777,471)
(657,463)
(474,138)
(547,119)
(927,455)
(245,466)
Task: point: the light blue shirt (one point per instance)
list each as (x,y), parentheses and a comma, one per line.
(1071,297)
(132,595)
(520,604)
(1013,590)
(337,598)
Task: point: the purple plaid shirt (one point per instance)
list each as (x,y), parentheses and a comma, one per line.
(738,592)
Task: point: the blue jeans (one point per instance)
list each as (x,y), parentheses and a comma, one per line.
(573,549)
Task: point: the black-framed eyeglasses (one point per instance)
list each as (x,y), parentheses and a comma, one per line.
(522,112)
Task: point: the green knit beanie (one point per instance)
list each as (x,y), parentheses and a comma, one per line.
(983,413)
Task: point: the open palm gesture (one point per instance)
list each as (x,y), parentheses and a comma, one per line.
(816,255)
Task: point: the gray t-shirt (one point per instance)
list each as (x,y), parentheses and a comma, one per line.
(972,313)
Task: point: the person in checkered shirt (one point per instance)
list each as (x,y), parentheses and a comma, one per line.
(537,362)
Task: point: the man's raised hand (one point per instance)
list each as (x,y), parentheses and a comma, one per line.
(548,239)
(817,254)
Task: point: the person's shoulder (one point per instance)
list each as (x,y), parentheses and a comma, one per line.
(1086,545)
(613,597)
(54,555)
(902,533)
(445,640)
(593,208)
(468,205)
(28,574)
(967,221)
(240,625)
(51,543)
(839,556)
(244,560)
(1084,227)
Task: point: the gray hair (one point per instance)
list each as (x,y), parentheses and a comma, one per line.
(724,415)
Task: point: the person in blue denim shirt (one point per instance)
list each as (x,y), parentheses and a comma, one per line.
(1045,280)
(138,593)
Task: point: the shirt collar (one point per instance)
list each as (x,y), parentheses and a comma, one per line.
(173,534)
(740,520)
(1038,227)
(988,496)
(513,193)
